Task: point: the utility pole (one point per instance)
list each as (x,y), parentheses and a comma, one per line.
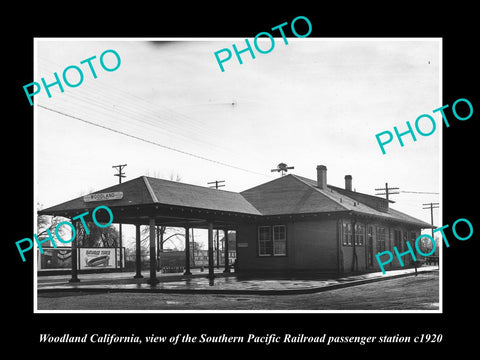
(218,183)
(387,191)
(120,175)
(431,206)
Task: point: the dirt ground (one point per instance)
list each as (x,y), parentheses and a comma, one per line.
(408,293)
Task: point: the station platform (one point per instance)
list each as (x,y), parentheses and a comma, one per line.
(223,283)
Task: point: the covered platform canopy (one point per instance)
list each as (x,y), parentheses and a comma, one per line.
(151,201)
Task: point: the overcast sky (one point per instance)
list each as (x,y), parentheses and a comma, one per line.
(311,102)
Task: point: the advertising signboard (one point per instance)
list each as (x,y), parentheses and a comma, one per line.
(55,259)
(99,258)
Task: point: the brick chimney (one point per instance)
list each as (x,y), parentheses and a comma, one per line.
(348,182)
(322,177)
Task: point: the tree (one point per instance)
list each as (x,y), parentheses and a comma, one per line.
(425,245)
(49,222)
(162,238)
(158,174)
(98,237)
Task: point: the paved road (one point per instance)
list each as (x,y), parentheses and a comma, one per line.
(407,293)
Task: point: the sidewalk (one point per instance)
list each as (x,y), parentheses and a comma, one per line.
(198,283)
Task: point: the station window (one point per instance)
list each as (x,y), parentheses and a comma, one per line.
(397,238)
(359,234)
(279,240)
(347,234)
(381,235)
(272,240)
(264,241)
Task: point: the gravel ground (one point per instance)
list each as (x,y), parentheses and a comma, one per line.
(408,293)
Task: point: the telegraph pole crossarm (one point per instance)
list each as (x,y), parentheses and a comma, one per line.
(431,206)
(387,191)
(218,183)
(120,173)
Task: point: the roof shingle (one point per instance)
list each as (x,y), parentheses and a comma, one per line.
(293,194)
(290,194)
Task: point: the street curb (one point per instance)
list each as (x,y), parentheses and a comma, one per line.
(228,291)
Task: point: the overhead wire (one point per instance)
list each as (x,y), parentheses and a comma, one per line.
(126,97)
(153,142)
(420,192)
(123,112)
(127,122)
(140,112)
(123,119)
(146,120)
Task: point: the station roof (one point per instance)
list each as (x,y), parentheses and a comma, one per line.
(168,201)
(293,194)
(178,204)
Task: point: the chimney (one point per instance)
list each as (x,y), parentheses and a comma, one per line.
(322,177)
(348,182)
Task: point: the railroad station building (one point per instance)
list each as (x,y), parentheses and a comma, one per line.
(287,225)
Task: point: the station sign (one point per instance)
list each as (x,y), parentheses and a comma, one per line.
(103,196)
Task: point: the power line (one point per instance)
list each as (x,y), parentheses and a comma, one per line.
(153,142)
(119,101)
(121,113)
(142,120)
(420,192)
(146,107)
(124,110)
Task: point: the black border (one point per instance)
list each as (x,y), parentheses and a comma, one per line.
(456,25)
